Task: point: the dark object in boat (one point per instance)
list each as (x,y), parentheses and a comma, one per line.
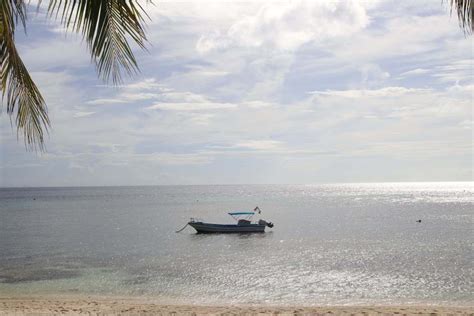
(243,222)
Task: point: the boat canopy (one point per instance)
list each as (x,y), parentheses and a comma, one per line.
(241,213)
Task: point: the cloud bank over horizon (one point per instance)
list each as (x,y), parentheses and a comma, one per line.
(257,92)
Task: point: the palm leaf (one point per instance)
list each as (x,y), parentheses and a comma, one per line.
(465,11)
(18,89)
(105,25)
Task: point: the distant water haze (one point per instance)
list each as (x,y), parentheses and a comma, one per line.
(331,244)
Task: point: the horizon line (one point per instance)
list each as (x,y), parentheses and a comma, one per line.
(232,184)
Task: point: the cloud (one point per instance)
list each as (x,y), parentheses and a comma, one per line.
(171,100)
(176,159)
(382,92)
(203,71)
(165,99)
(457,88)
(260,145)
(256,104)
(373,75)
(145,89)
(466,124)
(288,25)
(146,84)
(455,71)
(149,90)
(405,36)
(414,72)
(83,114)
(106,101)
(191,106)
(224,92)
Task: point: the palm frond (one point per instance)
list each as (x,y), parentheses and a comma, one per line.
(106,25)
(19,92)
(465,12)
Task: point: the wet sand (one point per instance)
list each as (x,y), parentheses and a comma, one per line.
(49,305)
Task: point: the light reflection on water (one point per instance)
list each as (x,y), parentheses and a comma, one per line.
(331,244)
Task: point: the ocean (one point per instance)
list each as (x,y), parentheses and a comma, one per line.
(333,244)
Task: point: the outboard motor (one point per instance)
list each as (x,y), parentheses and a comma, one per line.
(268,224)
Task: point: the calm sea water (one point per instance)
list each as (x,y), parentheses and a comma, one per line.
(331,244)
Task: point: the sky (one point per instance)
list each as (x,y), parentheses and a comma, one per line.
(262,92)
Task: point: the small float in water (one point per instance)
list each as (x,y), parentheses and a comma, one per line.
(244,224)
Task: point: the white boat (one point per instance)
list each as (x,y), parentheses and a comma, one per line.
(244,225)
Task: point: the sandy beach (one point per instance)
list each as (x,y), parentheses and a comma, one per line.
(45,305)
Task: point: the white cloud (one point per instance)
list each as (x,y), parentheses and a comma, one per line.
(457,88)
(176,159)
(149,89)
(146,84)
(288,25)
(106,101)
(467,124)
(405,36)
(385,88)
(191,106)
(257,104)
(456,71)
(66,53)
(382,92)
(414,72)
(259,144)
(83,114)
(207,72)
(372,75)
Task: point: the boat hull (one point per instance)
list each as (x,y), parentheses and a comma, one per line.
(208,228)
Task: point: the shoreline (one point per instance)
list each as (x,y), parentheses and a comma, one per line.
(94,305)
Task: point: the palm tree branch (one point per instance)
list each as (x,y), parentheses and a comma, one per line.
(465,12)
(18,89)
(106,27)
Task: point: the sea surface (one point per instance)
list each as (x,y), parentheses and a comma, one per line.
(331,244)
